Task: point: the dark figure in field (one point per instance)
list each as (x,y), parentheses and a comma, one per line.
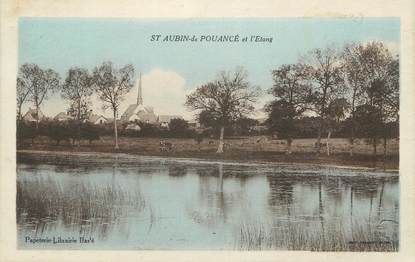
(261,139)
(165,146)
(316,145)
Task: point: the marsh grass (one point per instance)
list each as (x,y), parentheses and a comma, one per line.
(41,203)
(297,236)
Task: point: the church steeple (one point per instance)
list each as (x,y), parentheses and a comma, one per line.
(140,92)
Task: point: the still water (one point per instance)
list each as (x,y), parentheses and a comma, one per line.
(186,205)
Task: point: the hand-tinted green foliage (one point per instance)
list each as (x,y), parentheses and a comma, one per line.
(244,126)
(198,138)
(58,131)
(90,132)
(61,131)
(307,127)
(77,89)
(282,119)
(240,127)
(149,130)
(25,131)
(35,84)
(178,127)
(208,119)
(368,120)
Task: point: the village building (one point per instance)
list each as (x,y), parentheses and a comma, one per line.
(261,126)
(193,124)
(164,120)
(97,119)
(62,116)
(91,118)
(133,127)
(138,112)
(33,116)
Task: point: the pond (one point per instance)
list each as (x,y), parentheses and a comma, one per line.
(157,203)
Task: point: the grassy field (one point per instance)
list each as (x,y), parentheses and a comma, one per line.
(259,149)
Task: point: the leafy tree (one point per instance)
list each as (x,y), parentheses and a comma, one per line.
(241,126)
(281,117)
(369,123)
(244,125)
(59,131)
(307,126)
(90,132)
(207,119)
(77,88)
(381,86)
(226,99)
(149,130)
(198,138)
(392,96)
(292,94)
(25,131)
(178,127)
(112,84)
(374,73)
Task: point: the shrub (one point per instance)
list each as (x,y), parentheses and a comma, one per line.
(90,132)
(61,131)
(25,131)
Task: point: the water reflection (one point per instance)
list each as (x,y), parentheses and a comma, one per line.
(212,203)
(281,190)
(185,205)
(177,170)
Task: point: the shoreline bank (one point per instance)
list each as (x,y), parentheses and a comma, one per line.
(87,157)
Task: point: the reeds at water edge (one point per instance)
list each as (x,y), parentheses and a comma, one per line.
(43,200)
(296,236)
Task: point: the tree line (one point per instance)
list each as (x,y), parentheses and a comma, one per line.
(111,84)
(71,132)
(357,86)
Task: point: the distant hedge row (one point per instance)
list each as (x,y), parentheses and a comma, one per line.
(69,131)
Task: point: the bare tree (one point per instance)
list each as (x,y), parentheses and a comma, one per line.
(226,99)
(111,85)
(336,112)
(40,83)
(22,93)
(327,82)
(354,80)
(392,96)
(77,88)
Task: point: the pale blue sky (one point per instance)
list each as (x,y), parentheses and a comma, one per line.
(60,43)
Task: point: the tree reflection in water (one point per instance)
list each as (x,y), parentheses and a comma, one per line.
(292,228)
(211,196)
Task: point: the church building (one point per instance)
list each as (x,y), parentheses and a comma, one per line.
(138,112)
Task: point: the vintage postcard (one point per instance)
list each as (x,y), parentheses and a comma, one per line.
(210,134)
